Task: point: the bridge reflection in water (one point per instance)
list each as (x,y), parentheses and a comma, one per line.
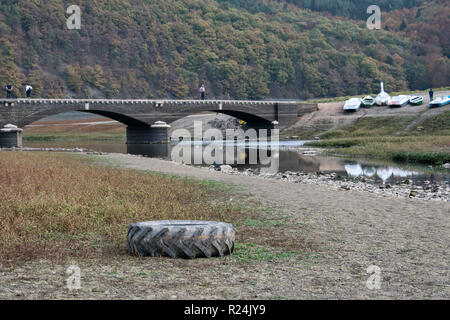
(289,160)
(293,161)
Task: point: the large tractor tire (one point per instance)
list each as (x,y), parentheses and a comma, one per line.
(181,239)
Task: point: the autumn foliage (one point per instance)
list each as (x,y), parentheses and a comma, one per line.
(239,49)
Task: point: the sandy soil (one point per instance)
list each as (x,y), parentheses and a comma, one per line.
(407,239)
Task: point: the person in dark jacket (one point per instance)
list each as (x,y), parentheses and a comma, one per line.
(9,89)
(28,90)
(431,94)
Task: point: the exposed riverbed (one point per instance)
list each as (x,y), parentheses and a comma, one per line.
(296,164)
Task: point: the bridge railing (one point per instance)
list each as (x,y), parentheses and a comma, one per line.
(142,101)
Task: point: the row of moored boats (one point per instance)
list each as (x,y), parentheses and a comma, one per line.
(384,99)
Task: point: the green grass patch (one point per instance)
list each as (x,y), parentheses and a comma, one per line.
(421,157)
(392,138)
(248,252)
(370,126)
(263,223)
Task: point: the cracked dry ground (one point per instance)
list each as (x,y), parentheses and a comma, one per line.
(340,234)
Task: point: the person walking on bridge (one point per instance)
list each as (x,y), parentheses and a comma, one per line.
(28,90)
(202,91)
(9,89)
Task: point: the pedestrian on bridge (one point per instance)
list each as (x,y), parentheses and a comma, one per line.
(9,89)
(28,90)
(202,91)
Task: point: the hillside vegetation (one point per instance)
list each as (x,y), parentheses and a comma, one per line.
(239,49)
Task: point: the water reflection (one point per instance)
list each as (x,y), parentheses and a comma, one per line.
(288,160)
(384,173)
(354,169)
(160,150)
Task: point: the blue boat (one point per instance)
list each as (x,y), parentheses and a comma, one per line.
(440,101)
(399,101)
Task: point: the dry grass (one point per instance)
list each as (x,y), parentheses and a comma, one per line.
(276,238)
(71,130)
(55,206)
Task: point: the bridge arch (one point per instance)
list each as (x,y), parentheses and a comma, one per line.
(251,119)
(39,115)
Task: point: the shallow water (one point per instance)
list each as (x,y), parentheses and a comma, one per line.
(290,157)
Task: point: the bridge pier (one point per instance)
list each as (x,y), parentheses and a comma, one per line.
(158,133)
(10,137)
(262,126)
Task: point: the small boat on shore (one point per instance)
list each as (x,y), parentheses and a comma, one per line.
(399,101)
(368,102)
(440,101)
(416,100)
(383,98)
(353,104)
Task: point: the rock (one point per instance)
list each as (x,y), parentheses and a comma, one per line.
(412,194)
(345,188)
(226,168)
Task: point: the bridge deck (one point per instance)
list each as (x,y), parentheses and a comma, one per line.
(145,112)
(144,101)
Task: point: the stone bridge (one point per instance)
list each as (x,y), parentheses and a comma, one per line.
(140,115)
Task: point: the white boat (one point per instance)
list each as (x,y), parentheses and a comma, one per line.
(353,104)
(399,101)
(440,101)
(383,98)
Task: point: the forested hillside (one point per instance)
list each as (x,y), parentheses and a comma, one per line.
(238,49)
(347,8)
